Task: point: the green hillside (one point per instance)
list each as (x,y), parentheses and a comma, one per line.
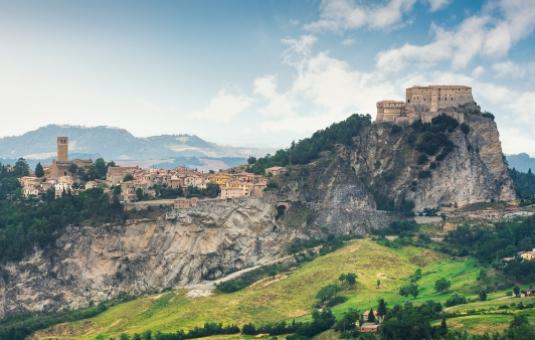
(291,295)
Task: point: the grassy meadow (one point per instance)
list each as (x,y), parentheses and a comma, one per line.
(290,295)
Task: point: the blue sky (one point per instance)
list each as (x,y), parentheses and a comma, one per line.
(258,73)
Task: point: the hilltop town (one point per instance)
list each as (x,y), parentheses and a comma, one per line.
(181,187)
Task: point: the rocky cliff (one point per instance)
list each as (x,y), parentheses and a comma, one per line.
(387,170)
(434,166)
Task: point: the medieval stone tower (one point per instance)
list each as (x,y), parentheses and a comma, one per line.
(63,149)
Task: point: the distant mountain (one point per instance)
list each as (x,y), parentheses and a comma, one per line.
(120,145)
(521,162)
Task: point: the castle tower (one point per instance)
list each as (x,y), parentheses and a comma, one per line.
(63,149)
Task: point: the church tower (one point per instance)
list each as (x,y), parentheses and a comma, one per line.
(63,149)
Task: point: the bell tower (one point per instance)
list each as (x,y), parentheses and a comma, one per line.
(63,149)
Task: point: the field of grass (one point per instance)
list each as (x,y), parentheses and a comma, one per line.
(289,295)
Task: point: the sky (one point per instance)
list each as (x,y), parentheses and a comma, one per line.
(258,73)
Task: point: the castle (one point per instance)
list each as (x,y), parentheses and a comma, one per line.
(423,102)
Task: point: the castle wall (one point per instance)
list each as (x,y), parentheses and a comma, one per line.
(389,110)
(423,102)
(433,98)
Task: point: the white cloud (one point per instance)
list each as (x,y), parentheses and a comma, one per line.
(337,15)
(510,69)
(223,107)
(348,42)
(436,5)
(297,48)
(491,34)
(478,71)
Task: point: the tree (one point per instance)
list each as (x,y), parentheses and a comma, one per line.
(371,316)
(21,168)
(516,291)
(410,289)
(442,285)
(251,160)
(128,178)
(39,171)
(327,293)
(140,195)
(73,169)
(348,321)
(378,283)
(482,295)
(443,330)
(381,309)
(348,279)
(100,168)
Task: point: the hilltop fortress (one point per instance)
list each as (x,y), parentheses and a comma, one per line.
(423,102)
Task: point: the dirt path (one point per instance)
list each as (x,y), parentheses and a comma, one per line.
(206,288)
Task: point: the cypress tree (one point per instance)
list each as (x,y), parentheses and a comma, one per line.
(39,171)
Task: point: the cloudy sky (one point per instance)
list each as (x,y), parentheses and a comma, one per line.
(258,73)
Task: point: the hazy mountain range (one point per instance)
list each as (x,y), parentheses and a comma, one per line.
(123,147)
(521,162)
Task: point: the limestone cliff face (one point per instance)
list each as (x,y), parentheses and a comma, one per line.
(474,171)
(93,264)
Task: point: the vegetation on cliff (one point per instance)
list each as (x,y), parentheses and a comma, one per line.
(524,185)
(308,149)
(25,224)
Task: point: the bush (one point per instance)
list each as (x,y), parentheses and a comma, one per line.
(488,115)
(442,285)
(410,289)
(465,128)
(455,300)
(327,293)
(424,174)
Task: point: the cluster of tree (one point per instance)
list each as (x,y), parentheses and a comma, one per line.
(309,149)
(208,329)
(409,289)
(25,224)
(524,185)
(9,175)
(412,288)
(454,300)
(413,322)
(321,321)
(442,285)
(97,170)
(21,327)
(328,296)
(432,138)
(330,244)
(490,244)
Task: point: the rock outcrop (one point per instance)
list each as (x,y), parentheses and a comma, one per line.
(473,171)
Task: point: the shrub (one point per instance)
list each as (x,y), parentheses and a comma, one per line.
(455,300)
(442,285)
(410,289)
(424,174)
(465,128)
(488,115)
